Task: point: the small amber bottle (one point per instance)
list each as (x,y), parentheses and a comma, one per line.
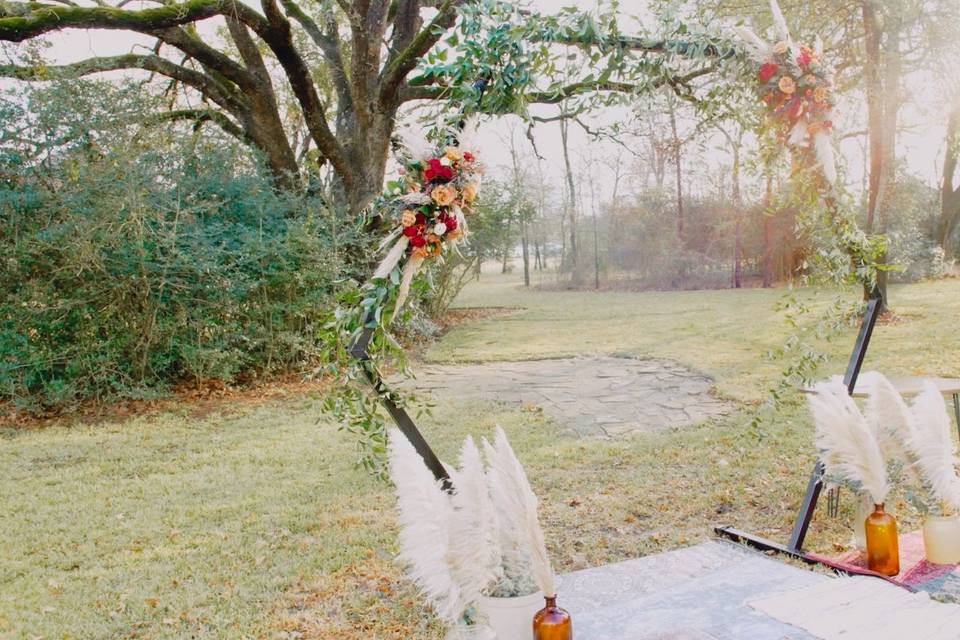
(883,550)
(552,622)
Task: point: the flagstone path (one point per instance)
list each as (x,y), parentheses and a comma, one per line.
(697,593)
(605,397)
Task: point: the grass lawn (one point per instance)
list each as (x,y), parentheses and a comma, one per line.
(253,523)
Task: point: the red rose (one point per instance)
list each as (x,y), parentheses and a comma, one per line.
(767,71)
(421,219)
(417,241)
(468,156)
(804,58)
(437,171)
(451,223)
(410,231)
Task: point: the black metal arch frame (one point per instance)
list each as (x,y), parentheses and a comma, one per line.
(359,351)
(794,547)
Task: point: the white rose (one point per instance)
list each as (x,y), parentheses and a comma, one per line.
(440,229)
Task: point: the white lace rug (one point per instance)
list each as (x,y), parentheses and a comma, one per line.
(862,608)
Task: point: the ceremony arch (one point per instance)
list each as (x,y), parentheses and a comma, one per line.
(796,88)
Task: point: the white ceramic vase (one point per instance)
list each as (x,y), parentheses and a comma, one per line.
(512,618)
(941,539)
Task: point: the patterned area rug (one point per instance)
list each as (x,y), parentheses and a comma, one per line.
(942,582)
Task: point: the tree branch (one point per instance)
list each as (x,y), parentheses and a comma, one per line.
(20,21)
(206,85)
(278,37)
(401,63)
(329,44)
(200,116)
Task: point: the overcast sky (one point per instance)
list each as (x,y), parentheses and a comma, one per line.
(920,145)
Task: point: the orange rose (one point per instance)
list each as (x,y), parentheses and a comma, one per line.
(787,85)
(443,195)
(470,192)
(408,218)
(781,47)
(820,94)
(453,154)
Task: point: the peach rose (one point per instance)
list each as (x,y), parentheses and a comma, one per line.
(443,195)
(781,47)
(787,85)
(470,192)
(408,218)
(454,154)
(820,94)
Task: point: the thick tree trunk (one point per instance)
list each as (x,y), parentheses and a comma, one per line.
(882,70)
(767,223)
(874,89)
(525,241)
(949,195)
(572,202)
(678,169)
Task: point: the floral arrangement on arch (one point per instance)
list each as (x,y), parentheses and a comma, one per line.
(797,88)
(428,202)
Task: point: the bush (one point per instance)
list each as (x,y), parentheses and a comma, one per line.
(135,262)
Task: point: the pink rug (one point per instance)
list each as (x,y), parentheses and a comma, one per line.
(915,574)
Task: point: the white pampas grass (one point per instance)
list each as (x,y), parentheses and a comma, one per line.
(933,445)
(392,259)
(798,135)
(410,270)
(474,540)
(424,513)
(758,49)
(414,144)
(891,420)
(780,23)
(889,417)
(823,147)
(416,198)
(517,509)
(848,447)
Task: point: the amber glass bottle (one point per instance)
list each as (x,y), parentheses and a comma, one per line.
(883,551)
(552,622)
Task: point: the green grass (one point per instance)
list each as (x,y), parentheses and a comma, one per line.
(255,524)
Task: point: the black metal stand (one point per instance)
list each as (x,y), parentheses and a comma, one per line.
(794,547)
(404,422)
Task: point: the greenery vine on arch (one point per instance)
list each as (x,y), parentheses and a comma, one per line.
(504,63)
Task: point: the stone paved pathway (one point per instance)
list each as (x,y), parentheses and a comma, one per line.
(606,397)
(697,593)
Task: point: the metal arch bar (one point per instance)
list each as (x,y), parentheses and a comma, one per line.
(815,485)
(403,420)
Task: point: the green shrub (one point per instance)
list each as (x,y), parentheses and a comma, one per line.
(132,262)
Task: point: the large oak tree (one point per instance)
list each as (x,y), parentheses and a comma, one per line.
(347,66)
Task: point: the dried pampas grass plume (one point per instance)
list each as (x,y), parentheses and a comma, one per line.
(517,509)
(424,513)
(933,445)
(848,446)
